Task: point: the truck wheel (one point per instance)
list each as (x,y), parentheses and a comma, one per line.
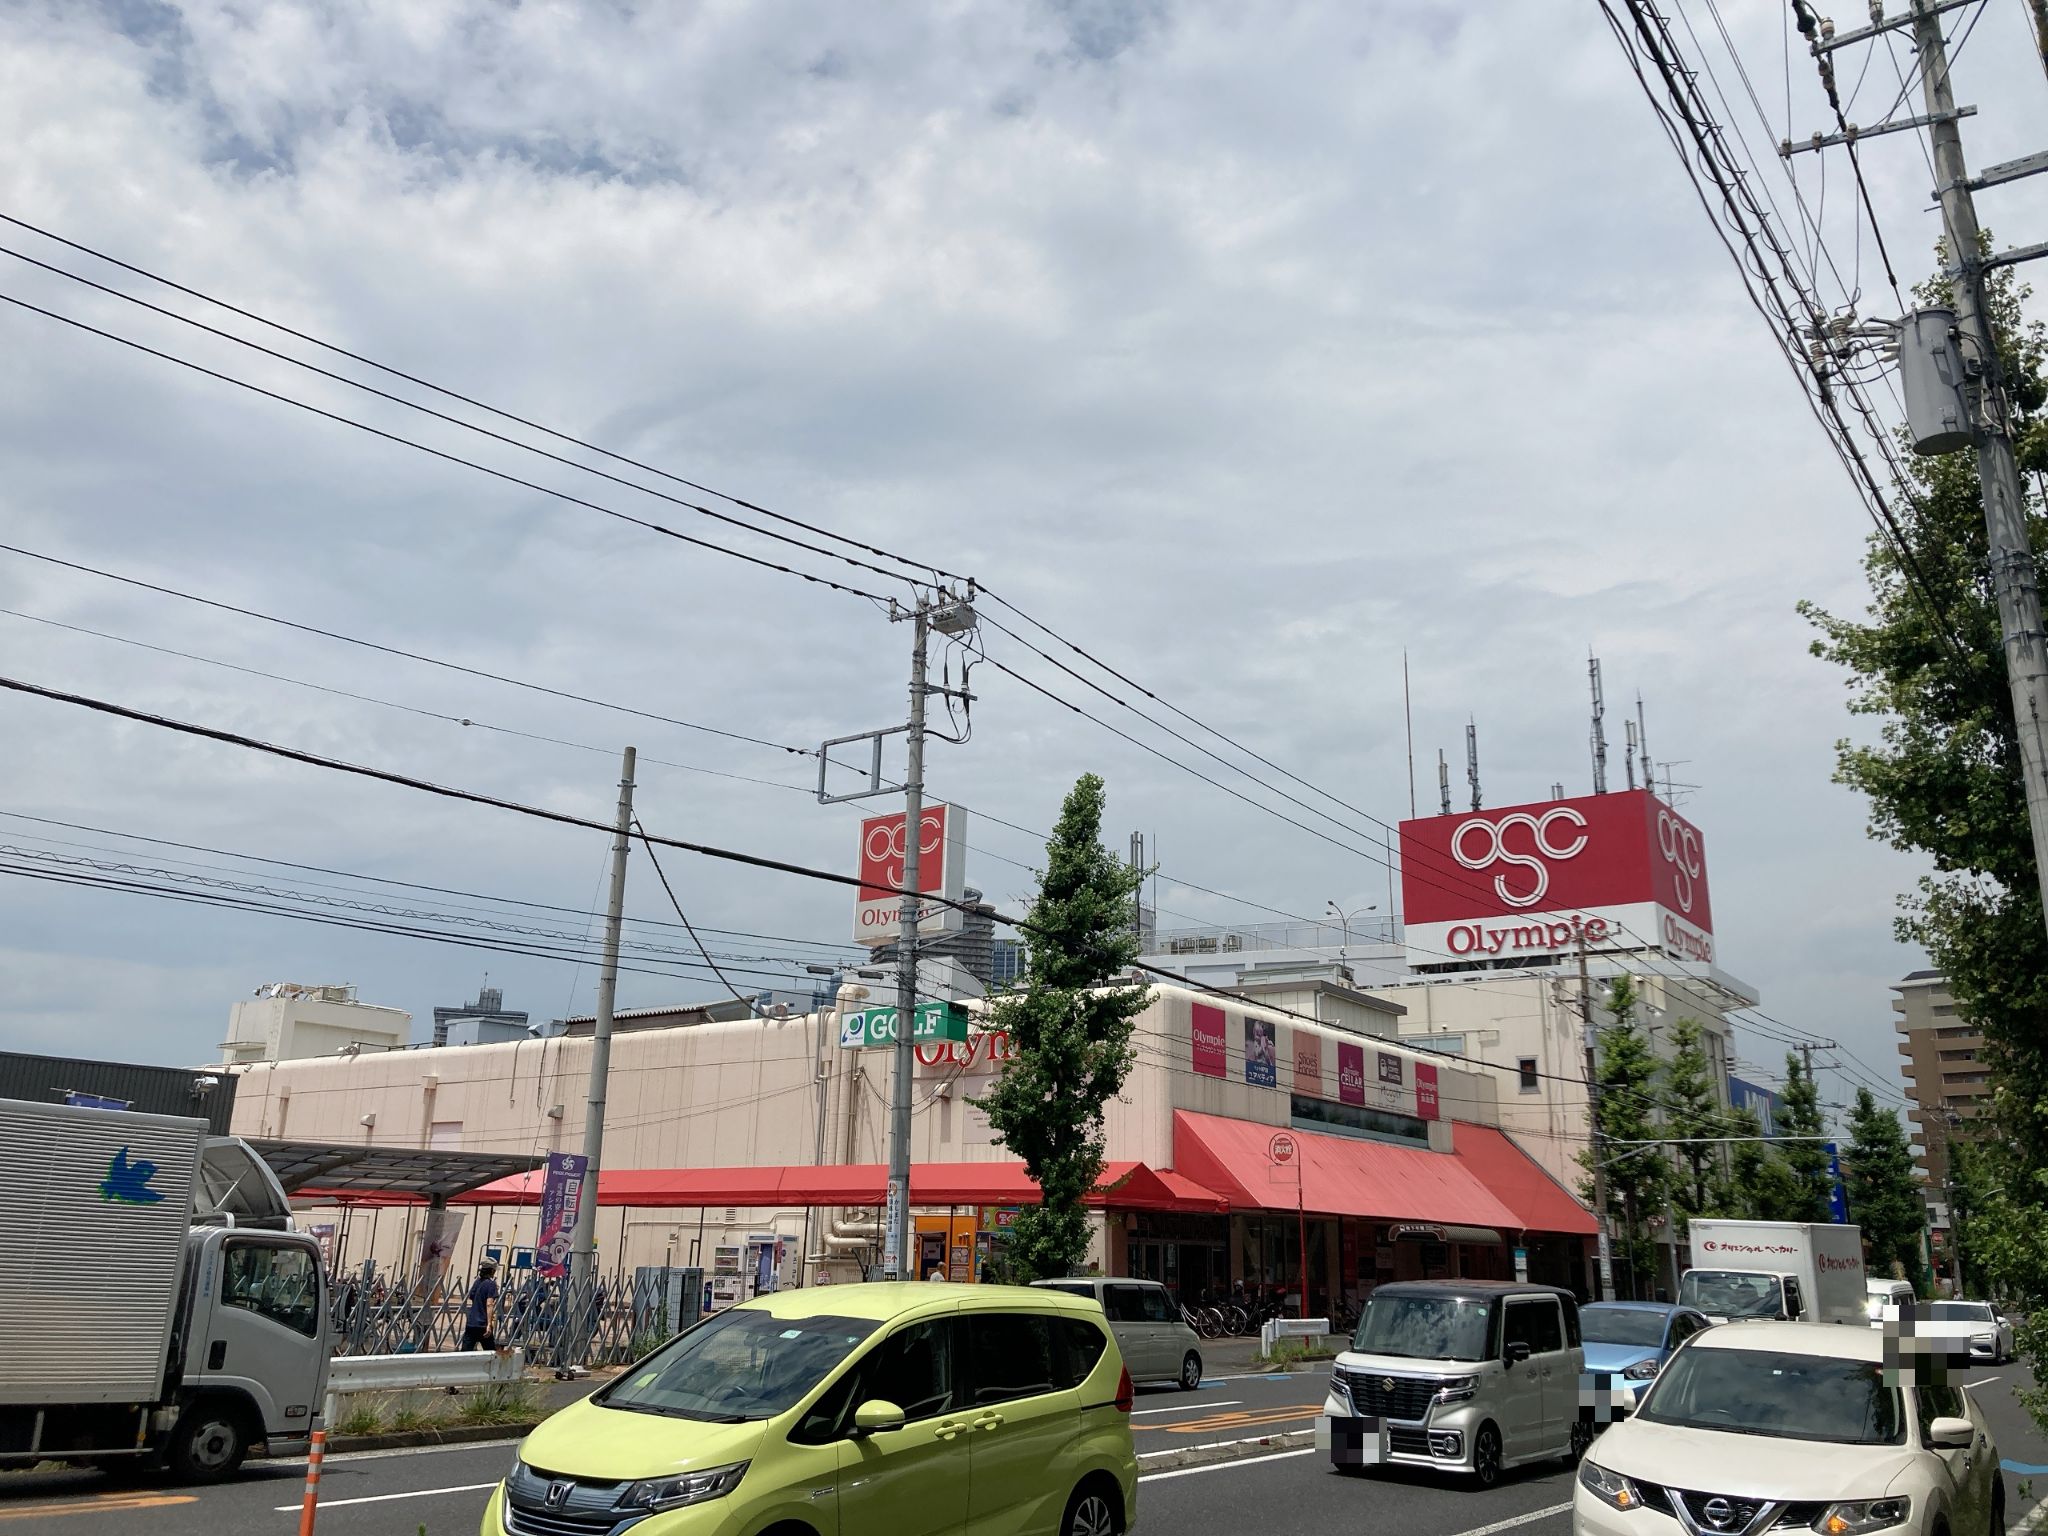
(208,1443)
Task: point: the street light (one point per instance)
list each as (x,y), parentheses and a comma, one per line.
(1344,918)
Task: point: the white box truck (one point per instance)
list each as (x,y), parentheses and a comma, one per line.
(154,1304)
(1809,1271)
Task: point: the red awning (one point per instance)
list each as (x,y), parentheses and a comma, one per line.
(1487,1182)
(1126,1186)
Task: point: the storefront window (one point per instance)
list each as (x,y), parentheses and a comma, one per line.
(1357,1120)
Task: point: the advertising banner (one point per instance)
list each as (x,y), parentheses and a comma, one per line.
(1308,1065)
(1425,1091)
(1390,1068)
(1619,870)
(941,871)
(1206,1028)
(1261,1053)
(1351,1073)
(561,1194)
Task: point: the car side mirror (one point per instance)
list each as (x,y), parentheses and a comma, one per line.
(876,1416)
(1951,1434)
(1516,1353)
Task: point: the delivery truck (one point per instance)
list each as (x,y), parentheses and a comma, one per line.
(1809,1271)
(155,1304)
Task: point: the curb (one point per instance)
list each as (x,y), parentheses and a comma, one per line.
(454,1434)
(2032,1520)
(1235,1450)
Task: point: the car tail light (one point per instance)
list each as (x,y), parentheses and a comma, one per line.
(1126,1394)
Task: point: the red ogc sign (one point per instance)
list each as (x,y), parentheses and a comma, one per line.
(883,848)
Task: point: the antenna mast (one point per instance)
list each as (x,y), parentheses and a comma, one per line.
(1628,758)
(1443,782)
(1408,714)
(1472,760)
(1643,741)
(1599,726)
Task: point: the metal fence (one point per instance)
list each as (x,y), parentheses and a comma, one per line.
(624,1314)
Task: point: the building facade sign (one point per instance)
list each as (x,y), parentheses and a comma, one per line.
(933,1022)
(1619,871)
(1206,1033)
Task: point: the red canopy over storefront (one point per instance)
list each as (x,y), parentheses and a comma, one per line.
(1128,1186)
(1487,1182)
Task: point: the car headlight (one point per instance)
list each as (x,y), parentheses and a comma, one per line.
(1642,1370)
(1612,1489)
(690,1488)
(1981,1338)
(1865,1515)
(1458,1390)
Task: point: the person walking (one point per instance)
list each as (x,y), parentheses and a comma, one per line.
(483,1293)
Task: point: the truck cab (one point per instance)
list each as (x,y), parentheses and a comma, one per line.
(1729,1295)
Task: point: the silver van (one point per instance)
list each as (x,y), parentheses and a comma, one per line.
(1156,1341)
(1471,1376)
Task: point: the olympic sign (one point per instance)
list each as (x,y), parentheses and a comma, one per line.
(941,871)
(1588,855)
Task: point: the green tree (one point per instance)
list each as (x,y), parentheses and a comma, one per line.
(1884,1196)
(1636,1175)
(1761,1187)
(1070,1026)
(1943,782)
(1804,1154)
(1693,1116)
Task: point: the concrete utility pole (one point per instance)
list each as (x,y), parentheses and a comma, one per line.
(2013,575)
(1593,1116)
(583,1242)
(896,1254)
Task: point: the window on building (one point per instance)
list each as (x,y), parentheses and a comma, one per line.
(1526,1067)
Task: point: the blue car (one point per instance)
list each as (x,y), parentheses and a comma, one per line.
(1627,1342)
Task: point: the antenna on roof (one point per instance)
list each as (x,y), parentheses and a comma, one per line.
(1443,782)
(1643,741)
(1472,760)
(1628,758)
(1599,726)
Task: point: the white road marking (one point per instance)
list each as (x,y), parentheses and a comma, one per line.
(1514,1520)
(1194,1407)
(1223,1466)
(1984,1383)
(385,1498)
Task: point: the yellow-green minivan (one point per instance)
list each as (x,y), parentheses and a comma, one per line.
(915,1409)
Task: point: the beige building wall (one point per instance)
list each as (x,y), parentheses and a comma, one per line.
(750,1093)
(1509,1020)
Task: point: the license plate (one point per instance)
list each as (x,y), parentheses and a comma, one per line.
(1351,1442)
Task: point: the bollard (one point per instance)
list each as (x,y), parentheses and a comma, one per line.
(313,1459)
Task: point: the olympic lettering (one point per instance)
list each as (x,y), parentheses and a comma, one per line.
(1494,849)
(1680,845)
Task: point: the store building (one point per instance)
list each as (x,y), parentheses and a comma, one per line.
(757,1148)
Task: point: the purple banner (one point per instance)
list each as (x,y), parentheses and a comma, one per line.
(560,1197)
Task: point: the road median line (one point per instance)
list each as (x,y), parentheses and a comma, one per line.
(1216,1451)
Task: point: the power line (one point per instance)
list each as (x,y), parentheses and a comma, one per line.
(443,454)
(446,393)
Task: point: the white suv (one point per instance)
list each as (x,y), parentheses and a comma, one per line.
(1753,1427)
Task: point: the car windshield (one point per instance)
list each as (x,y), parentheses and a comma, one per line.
(1961,1312)
(1423,1328)
(1783,1396)
(1622,1325)
(1726,1293)
(738,1365)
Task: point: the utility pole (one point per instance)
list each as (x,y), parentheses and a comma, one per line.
(1593,1115)
(583,1242)
(2013,575)
(896,1263)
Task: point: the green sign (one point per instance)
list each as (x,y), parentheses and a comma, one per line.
(877,1026)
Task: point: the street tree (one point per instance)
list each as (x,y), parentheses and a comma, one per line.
(1637,1175)
(1884,1197)
(1761,1187)
(1926,666)
(1805,1154)
(1694,1118)
(1069,1022)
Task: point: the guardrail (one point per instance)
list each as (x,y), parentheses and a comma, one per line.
(1273,1330)
(348,1374)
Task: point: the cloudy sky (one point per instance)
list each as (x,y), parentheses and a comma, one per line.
(1248,349)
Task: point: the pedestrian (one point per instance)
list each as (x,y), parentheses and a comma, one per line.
(476,1333)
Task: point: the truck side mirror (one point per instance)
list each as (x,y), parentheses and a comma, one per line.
(1793,1304)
